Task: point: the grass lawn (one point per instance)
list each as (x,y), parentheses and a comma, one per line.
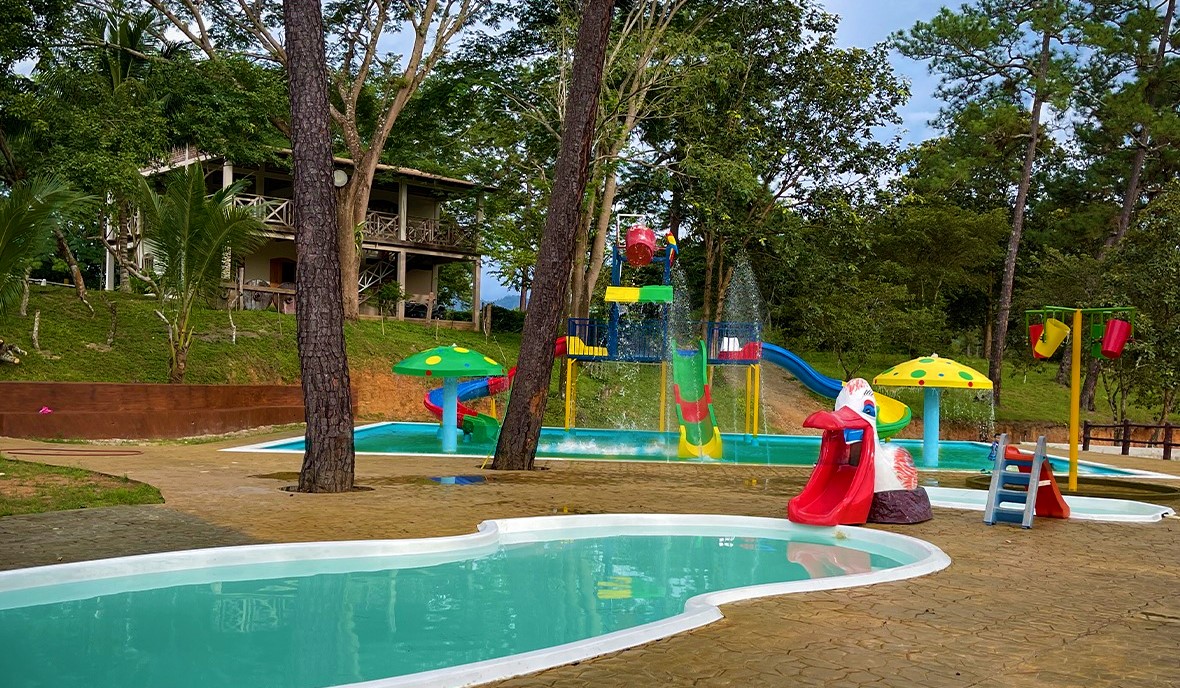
(31,488)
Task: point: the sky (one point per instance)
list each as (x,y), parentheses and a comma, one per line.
(863,23)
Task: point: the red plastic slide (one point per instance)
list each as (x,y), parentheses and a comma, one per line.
(1050,502)
(840,490)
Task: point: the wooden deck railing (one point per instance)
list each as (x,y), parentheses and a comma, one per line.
(1121,434)
(379,227)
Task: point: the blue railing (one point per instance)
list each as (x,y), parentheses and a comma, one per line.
(646,341)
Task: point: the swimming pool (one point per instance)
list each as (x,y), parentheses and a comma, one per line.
(593,444)
(518,596)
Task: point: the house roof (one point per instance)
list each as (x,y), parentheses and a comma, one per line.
(187,156)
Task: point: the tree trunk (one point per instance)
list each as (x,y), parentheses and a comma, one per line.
(580,294)
(522,424)
(995,365)
(352,207)
(179,365)
(1090,385)
(329,459)
(598,249)
(124,220)
(75,272)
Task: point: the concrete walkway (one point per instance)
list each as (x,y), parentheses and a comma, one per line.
(1065,604)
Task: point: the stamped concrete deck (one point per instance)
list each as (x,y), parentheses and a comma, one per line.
(1065,604)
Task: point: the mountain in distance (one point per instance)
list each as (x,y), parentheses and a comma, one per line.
(509,301)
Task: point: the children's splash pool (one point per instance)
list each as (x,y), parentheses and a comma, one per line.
(590,444)
(518,596)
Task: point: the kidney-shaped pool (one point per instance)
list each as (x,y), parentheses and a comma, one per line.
(517,596)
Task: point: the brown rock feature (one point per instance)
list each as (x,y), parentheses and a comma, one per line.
(900,506)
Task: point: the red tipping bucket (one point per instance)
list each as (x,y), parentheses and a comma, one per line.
(641,245)
(1116,336)
(1034,336)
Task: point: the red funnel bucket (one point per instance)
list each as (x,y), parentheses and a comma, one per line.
(641,245)
(1116,336)
(1034,335)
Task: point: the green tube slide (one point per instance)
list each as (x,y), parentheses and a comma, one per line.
(699,435)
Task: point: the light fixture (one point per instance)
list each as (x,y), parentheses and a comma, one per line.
(339,178)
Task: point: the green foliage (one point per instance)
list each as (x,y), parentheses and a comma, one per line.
(388,296)
(1145,272)
(28,215)
(505,320)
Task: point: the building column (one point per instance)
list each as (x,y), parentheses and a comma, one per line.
(403,210)
(108,282)
(476,306)
(401,280)
(227,259)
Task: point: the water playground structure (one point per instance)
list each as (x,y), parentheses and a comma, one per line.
(1106,330)
(645,337)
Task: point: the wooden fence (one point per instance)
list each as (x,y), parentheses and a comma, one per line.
(1122,434)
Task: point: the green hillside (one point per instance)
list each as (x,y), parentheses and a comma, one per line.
(73,343)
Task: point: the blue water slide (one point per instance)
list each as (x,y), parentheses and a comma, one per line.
(468,391)
(811,378)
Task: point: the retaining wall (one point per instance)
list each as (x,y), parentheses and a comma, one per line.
(82,410)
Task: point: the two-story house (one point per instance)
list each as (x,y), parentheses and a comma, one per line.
(417,222)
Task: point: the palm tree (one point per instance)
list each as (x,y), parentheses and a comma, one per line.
(191,234)
(33,209)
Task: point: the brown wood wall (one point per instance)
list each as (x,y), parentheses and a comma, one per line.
(83,410)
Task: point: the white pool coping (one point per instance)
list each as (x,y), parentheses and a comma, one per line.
(271,447)
(196,566)
(1080,508)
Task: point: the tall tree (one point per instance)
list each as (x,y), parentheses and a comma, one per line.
(1007,50)
(329,459)
(517,446)
(371,88)
(1130,68)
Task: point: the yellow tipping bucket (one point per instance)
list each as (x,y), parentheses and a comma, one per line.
(1055,333)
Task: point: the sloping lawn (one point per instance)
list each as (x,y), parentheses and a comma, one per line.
(31,488)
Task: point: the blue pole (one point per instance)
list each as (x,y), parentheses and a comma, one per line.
(450,414)
(930,427)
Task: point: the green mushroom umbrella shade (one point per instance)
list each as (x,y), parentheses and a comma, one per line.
(449,363)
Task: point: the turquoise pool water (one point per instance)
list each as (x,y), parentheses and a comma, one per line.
(307,624)
(641,445)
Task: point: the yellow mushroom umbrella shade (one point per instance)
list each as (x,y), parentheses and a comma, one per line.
(932,373)
(449,363)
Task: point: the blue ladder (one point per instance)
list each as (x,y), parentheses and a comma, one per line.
(1014,486)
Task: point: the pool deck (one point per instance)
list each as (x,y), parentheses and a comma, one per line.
(1064,604)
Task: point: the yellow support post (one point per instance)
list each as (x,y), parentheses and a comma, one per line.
(746,407)
(663,395)
(492,410)
(570,388)
(1075,397)
(757,394)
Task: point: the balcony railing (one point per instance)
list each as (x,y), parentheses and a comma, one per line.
(383,228)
